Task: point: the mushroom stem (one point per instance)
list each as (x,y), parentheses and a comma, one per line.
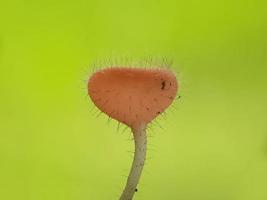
(140,139)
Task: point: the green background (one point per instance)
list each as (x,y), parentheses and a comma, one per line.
(213,144)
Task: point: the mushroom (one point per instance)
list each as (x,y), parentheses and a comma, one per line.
(134,97)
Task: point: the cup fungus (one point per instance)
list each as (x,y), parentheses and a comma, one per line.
(134,97)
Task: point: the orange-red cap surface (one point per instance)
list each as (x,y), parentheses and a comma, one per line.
(133,96)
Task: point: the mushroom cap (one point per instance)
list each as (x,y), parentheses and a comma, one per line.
(133,96)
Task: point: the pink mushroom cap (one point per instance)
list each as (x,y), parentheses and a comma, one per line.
(133,96)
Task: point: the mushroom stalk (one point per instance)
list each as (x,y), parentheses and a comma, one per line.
(140,139)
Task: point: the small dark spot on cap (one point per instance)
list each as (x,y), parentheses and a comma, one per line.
(136,190)
(163,85)
(158,112)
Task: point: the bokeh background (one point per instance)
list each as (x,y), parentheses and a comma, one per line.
(213,144)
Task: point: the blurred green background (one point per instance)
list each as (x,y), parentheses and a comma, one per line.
(214,144)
